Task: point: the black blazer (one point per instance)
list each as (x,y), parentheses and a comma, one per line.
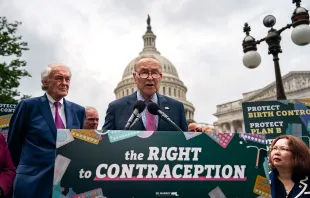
(301,188)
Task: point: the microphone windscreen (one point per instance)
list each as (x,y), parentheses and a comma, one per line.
(140,105)
(153,108)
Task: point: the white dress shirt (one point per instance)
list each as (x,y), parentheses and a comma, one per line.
(144,113)
(61,109)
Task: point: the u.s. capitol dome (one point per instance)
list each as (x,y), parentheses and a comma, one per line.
(171,85)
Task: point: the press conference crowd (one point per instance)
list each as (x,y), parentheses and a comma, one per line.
(27,158)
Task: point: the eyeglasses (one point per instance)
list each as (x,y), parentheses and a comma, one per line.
(279,149)
(147,74)
(93,119)
(196,130)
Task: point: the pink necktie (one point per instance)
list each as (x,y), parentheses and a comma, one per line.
(58,122)
(150,120)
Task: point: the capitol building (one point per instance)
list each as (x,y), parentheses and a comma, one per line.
(230,116)
(171,85)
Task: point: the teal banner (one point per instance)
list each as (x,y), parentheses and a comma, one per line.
(140,164)
(274,118)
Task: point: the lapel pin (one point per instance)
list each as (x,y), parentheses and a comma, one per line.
(300,186)
(166,107)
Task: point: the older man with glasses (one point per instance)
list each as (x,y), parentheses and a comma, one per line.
(147,76)
(33,132)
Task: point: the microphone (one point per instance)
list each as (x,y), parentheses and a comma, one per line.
(136,120)
(154,109)
(138,108)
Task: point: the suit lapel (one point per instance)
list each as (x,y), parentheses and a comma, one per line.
(163,105)
(46,112)
(69,114)
(272,180)
(304,185)
(130,103)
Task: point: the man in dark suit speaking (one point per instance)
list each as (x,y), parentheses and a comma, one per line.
(33,130)
(147,76)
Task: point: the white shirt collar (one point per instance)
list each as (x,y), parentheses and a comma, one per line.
(51,100)
(140,97)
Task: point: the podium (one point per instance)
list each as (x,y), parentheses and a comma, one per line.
(117,164)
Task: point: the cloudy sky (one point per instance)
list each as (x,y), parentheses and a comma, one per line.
(98,38)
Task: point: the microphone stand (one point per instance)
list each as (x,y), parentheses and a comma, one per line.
(173,124)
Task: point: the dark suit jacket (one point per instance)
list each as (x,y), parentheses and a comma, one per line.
(7,169)
(301,188)
(119,111)
(32,143)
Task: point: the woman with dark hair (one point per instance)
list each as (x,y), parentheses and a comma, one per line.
(7,169)
(290,163)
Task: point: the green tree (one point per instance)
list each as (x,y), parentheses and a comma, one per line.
(11,65)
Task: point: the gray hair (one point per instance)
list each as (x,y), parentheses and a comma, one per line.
(45,74)
(89,108)
(145,56)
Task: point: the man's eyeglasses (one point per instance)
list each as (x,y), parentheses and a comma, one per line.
(93,119)
(195,130)
(279,149)
(147,74)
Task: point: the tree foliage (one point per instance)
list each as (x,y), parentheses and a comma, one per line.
(11,64)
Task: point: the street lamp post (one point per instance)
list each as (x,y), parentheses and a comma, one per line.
(300,36)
